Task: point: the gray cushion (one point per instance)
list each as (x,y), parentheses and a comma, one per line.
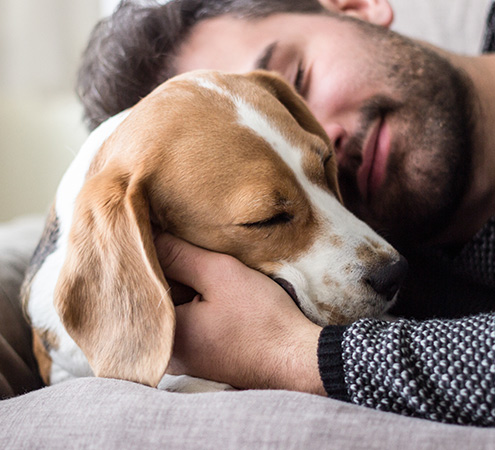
(112,414)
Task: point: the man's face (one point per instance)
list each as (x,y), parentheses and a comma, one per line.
(397,113)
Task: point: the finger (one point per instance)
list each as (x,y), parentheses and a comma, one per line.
(185,262)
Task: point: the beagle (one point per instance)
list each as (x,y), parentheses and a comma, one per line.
(232,163)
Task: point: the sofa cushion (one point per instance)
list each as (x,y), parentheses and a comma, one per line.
(113,414)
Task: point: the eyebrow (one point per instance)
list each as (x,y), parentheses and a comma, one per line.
(263,61)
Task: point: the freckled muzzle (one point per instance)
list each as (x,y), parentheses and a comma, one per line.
(363,289)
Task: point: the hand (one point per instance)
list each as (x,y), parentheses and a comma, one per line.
(241,328)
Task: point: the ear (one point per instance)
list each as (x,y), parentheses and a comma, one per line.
(286,95)
(111,295)
(294,103)
(378,12)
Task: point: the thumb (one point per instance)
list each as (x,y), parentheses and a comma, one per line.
(184,262)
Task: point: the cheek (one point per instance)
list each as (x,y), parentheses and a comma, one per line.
(335,90)
(339,85)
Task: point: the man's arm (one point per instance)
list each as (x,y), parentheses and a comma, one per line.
(442,370)
(244,330)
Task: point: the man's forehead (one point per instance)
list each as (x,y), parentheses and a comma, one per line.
(232,44)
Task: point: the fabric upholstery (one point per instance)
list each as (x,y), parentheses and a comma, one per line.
(112,414)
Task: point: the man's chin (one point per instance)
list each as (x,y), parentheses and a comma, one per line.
(403,217)
(408,224)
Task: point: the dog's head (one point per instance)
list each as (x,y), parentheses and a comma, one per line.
(232,163)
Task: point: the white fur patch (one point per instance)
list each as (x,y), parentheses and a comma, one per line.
(191,385)
(210,85)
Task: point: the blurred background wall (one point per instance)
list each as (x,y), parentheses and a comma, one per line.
(40,128)
(41,42)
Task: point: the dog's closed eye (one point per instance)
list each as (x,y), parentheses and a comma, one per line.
(277,219)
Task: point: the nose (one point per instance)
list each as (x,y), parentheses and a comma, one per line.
(338,136)
(388,279)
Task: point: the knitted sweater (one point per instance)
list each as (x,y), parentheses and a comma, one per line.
(439,369)
(442,370)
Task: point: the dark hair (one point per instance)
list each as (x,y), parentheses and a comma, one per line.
(132,51)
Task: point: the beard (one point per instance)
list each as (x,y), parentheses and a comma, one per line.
(429,165)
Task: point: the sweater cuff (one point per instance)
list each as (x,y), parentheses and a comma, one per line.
(330,362)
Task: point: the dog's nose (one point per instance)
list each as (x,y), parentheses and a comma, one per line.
(387,280)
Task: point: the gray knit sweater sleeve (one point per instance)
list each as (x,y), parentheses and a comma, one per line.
(442,370)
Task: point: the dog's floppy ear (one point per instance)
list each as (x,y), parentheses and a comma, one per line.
(286,94)
(111,295)
(294,103)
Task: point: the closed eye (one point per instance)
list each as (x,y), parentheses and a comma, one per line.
(278,219)
(298,82)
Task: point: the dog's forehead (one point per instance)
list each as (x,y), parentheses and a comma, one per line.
(241,95)
(260,151)
(219,132)
(234,109)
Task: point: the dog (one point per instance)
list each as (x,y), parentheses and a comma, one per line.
(232,163)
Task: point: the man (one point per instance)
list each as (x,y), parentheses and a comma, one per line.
(412,130)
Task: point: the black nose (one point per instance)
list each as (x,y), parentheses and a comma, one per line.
(387,279)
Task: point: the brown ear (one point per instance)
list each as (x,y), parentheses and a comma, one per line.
(111,295)
(286,94)
(295,104)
